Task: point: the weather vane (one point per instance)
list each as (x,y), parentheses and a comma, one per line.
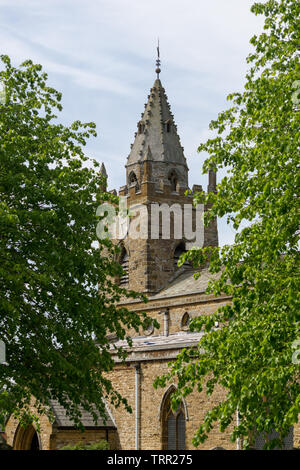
(158,60)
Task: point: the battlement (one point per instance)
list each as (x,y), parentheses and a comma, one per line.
(162,190)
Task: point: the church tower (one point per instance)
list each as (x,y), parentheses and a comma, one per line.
(157,177)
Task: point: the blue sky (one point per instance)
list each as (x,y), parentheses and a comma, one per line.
(101,55)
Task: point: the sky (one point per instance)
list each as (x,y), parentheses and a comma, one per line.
(101,55)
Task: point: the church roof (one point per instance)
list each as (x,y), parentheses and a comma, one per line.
(184,283)
(63,421)
(182,339)
(157,138)
(156,347)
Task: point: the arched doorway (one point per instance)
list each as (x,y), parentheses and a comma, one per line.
(26,439)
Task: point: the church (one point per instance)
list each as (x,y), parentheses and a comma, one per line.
(156,175)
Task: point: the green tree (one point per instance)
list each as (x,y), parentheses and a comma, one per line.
(257,141)
(58,298)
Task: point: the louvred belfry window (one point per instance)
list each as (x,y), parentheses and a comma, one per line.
(180,249)
(124,262)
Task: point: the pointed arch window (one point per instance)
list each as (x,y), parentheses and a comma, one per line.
(173,180)
(173,426)
(124,262)
(185,321)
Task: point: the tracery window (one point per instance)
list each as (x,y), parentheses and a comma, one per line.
(173,426)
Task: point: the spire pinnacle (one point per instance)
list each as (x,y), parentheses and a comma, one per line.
(103,170)
(157,70)
(103,173)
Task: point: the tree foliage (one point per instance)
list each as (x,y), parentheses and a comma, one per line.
(58,296)
(252,355)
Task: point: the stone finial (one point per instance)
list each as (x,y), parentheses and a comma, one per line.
(212,180)
(103,173)
(157,70)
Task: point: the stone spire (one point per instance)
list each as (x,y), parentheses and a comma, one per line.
(157,136)
(157,130)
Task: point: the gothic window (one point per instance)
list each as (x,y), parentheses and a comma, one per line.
(260,440)
(124,262)
(173,180)
(185,321)
(173,426)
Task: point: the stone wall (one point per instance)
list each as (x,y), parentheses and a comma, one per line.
(60,438)
(194,304)
(197,404)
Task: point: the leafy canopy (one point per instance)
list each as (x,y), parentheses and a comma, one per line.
(251,356)
(58,298)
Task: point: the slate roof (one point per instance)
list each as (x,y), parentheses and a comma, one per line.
(184,283)
(63,421)
(160,342)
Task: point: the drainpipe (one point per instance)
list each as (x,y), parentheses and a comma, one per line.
(238,441)
(137,405)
